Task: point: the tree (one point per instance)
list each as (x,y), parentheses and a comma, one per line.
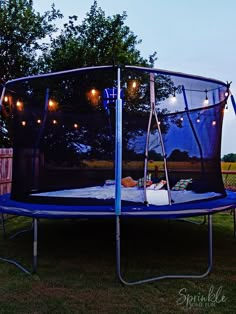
(22,31)
(229,158)
(98,40)
(178,155)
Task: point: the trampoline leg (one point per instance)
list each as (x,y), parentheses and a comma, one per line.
(234,217)
(210,246)
(147,280)
(3,225)
(118,248)
(35,244)
(13,262)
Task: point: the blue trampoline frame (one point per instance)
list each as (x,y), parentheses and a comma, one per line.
(171,211)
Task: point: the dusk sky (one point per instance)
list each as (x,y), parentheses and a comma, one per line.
(196,37)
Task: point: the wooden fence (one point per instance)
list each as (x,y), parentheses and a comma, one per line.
(5,170)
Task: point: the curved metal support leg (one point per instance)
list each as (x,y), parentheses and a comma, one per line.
(10,261)
(21,231)
(35,252)
(194,222)
(147,280)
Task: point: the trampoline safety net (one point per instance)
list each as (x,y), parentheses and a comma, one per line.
(63,132)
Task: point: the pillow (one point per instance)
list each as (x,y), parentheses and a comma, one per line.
(128,182)
(157,186)
(182,184)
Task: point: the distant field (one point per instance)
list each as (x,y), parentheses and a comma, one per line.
(228,166)
(102,164)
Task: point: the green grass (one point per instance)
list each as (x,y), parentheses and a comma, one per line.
(76,267)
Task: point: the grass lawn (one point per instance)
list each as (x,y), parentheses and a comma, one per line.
(76,271)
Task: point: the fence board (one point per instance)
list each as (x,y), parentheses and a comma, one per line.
(6,155)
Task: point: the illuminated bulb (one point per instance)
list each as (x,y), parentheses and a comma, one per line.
(206,101)
(6,99)
(51,104)
(54,121)
(173,98)
(226,94)
(181,119)
(134,84)
(38,121)
(76,125)
(23,123)
(198,118)
(93,92)
(214,122)
(159,122)
(18,104)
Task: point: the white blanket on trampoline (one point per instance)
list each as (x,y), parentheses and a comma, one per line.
(154,197)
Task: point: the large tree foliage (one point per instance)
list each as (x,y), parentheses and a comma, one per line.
(24,35)
(22,31)
(98,40)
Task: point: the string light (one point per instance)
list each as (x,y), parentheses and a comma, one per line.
(52,105)
(198,118)
(38,121)
(54,121)
(6,98)
(23,123)
(206,101)
(76,125)
(214,122)
(93,92)
(93,96)
(181,118)
(134,84)
(228,89)
(19,105)
(174,92)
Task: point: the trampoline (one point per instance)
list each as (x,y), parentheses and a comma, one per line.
(118,142)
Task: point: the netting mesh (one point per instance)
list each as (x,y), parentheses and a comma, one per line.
(63,129)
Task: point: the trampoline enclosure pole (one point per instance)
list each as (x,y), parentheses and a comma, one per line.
(118,148)
(233,103)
